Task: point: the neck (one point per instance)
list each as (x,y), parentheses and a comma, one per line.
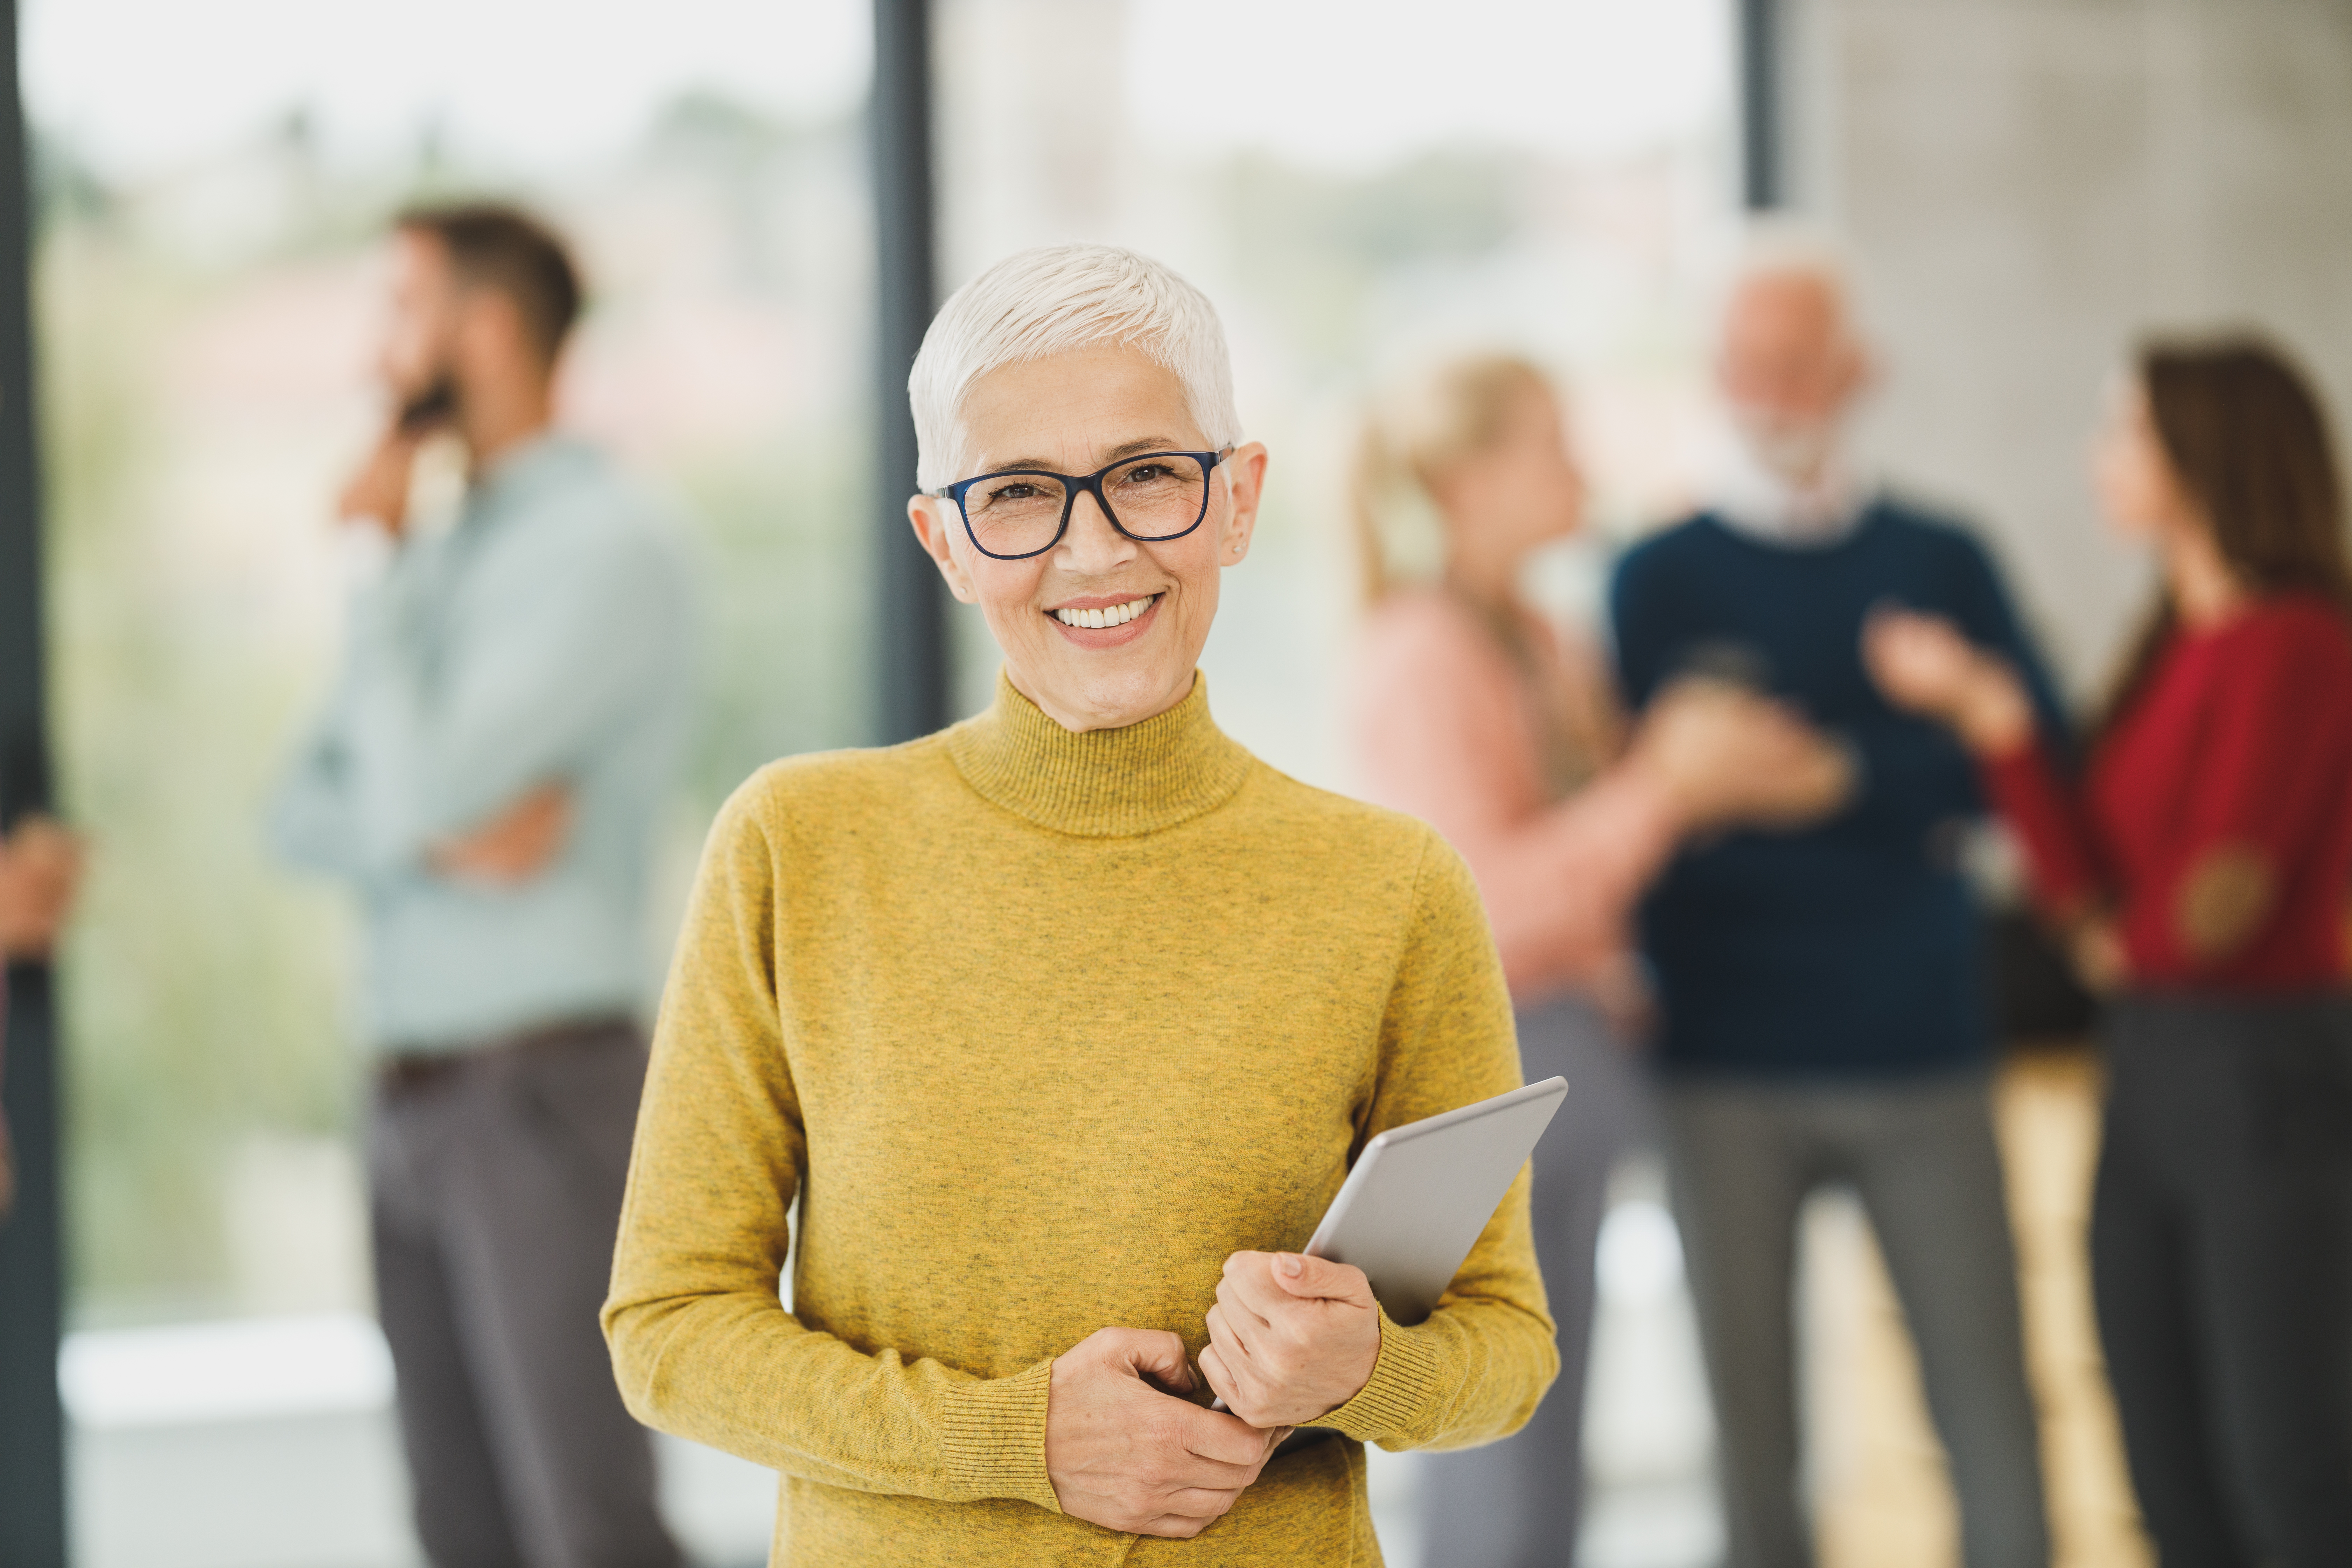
(1139,778)
(1080,721)
(2205,589)
(494,420)
(1485,577)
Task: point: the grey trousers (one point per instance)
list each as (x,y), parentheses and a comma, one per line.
(1517,1503)
(495,1194)
(1741,1158)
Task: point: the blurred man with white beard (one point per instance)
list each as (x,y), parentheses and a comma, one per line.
(1819,990)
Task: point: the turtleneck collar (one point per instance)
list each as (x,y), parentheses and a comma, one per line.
(1104,784)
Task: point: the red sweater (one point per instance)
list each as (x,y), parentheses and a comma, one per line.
(2216,816)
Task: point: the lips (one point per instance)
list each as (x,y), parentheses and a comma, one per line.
(1104,617)
(1111,623)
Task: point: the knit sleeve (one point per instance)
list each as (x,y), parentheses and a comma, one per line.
(1476,1370)
(701,1343)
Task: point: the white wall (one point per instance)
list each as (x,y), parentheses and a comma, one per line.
(2031,184)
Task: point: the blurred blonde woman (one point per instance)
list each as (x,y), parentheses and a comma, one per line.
(1470,712)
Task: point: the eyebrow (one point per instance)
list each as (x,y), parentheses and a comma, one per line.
(1124,449)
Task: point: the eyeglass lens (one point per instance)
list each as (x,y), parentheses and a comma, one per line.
(1152,498)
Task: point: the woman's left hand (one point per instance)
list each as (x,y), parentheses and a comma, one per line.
(1291,1337)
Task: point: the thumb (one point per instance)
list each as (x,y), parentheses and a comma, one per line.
(1156,1354)
(1319,1278)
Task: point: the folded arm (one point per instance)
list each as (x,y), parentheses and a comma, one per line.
(410,757)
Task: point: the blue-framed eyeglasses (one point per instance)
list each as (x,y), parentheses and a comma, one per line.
(1022,512)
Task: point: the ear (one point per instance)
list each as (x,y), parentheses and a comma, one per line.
(488,331)
(1245,473)
(933,527)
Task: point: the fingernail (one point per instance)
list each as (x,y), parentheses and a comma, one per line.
(1289,1264)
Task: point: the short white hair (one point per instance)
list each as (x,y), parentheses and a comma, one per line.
(1051,301)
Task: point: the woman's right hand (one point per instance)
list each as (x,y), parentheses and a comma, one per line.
(1126,1450)
(1925,665)
(1723,754)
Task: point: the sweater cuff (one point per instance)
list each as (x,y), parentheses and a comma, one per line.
(994,1440)
(1402,1383)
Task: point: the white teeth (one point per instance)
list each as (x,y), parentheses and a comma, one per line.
(1117,615)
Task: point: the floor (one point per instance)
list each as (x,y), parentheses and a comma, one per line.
(267,1444)
(1881,1489)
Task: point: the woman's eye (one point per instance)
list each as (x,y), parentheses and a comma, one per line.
(1147,474)
(1018,491)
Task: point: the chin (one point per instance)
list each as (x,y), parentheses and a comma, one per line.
(1131,699)
(1114,698)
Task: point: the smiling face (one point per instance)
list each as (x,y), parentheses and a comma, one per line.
(1100,631)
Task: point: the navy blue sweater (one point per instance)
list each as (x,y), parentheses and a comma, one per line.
(1849,949)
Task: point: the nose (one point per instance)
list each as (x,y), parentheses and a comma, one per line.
(1091,544)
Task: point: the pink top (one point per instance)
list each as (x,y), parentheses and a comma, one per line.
(1447,725)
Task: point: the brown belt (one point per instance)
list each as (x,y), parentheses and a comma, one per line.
(413,1071)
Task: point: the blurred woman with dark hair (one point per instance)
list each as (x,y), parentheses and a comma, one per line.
(2201,869)
(1471,715)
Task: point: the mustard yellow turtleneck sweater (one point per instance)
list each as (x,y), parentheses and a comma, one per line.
(1039,1027)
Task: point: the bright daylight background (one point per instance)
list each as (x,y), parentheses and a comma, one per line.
(1357,187)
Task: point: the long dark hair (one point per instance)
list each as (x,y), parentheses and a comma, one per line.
(2247,439)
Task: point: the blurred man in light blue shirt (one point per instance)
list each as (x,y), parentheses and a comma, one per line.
(486,777)
(490,764)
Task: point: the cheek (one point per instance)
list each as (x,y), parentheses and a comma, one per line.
(1006,591)
(2127,489)
(1198,573)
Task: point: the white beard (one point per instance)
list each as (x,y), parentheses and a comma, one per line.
(1795,454)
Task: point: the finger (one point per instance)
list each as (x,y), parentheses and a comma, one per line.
(1188,1470)
(1248,1284)
(1156,1352)
(1219,1375)
(549,803)
(1218,1438)
(1245,1315)
(1199,1502)
(1276,1436)
(1319,1278)
(1233,1356)
(1179,1382)
(1182,1527)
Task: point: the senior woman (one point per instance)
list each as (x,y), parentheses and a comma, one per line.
(1062,1025)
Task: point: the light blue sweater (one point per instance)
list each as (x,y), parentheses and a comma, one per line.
(547,636)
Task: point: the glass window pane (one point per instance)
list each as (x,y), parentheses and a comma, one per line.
(213,183)
(1553,178)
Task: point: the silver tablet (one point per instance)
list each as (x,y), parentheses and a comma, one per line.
(1412,1207)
